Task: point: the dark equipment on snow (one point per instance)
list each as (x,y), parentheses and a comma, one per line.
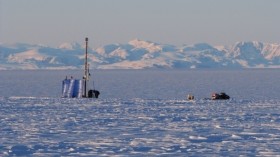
(93,93)
(221,96)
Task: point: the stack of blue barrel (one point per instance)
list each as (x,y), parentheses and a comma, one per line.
(72,88)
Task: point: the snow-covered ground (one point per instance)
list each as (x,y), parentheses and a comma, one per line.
(141,113)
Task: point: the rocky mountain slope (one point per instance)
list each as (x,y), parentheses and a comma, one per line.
(140,54)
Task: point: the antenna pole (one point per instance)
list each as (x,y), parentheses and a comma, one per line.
(86,68)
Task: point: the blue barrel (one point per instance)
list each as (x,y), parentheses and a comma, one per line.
(71,88)
(78,89)
(65,87)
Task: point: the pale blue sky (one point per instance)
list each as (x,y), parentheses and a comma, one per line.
(178,22)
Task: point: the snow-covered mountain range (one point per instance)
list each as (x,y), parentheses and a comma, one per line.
(140,54)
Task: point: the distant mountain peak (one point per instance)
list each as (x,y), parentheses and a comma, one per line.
(198,47)
(150,46)
(140,43)
(25,56)
(70,46)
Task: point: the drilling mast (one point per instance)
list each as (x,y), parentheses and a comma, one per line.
(86,69)
(77,88)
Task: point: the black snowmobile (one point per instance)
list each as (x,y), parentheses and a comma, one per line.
(221,96)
